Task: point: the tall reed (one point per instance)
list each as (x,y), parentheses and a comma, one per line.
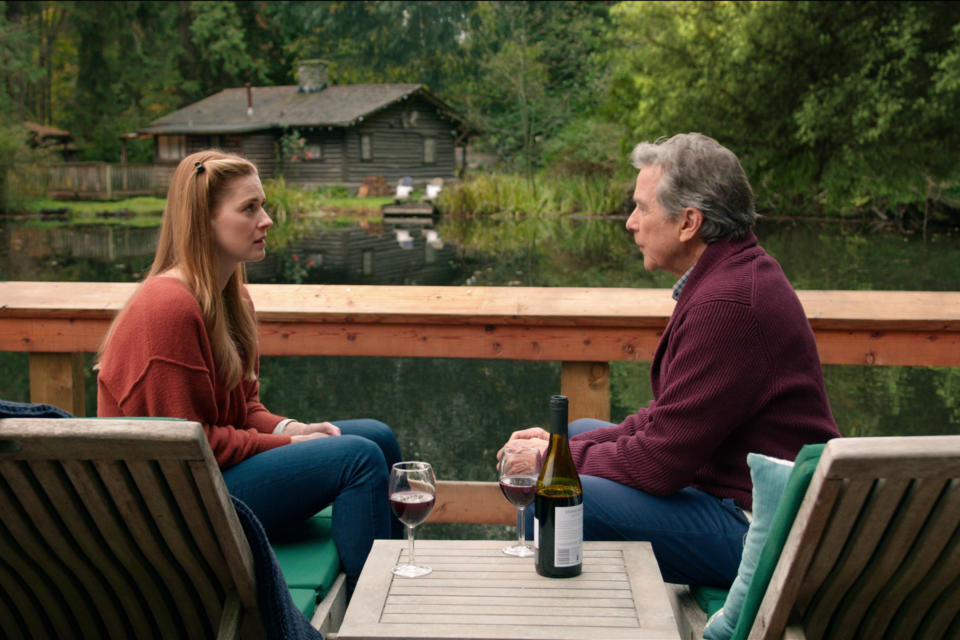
(495,213)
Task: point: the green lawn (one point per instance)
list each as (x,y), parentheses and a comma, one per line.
(144,211)
(147,211)
(138,206)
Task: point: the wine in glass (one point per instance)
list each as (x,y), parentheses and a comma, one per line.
(519,468)
(413,490)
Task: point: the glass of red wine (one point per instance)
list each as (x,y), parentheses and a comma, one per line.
(519,468)
(413,491)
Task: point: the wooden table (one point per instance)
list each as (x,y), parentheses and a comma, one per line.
(475,591)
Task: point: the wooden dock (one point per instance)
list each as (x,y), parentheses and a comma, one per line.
(410,213)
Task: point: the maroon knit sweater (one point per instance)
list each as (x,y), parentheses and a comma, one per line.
(736,371)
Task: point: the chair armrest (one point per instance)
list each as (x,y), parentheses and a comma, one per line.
(689,616)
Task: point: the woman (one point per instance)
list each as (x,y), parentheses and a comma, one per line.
(185,346)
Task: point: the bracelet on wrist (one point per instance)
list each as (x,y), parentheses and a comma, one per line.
(282,425)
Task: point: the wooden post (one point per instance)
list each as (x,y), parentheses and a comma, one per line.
(471,502)
(109,181)
(57,379)
(587,385)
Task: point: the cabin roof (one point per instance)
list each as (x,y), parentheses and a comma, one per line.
(46,131)
(287,106)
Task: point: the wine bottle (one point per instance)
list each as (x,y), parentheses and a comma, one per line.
(558,522)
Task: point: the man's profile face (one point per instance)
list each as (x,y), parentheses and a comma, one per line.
(657,236)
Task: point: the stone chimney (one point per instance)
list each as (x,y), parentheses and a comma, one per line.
(312,75)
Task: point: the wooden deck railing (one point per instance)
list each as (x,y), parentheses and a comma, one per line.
(584,329)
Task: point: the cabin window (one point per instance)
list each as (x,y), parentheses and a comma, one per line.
(366,262)
(429,150)
(366,147)
(313,151)
(171,148)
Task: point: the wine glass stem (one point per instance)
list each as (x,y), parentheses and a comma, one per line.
(410,538)
(521,523)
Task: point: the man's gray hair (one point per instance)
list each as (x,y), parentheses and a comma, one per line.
(699,172)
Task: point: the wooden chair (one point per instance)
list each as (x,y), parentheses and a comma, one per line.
(874,549)
(111,528)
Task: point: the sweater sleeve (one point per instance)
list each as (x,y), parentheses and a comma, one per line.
(258,416)
(715,362)
(175,389)
(632,425)
(158,363)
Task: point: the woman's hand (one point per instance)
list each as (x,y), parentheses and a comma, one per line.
(314,430)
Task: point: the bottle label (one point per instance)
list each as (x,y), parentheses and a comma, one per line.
(568,540)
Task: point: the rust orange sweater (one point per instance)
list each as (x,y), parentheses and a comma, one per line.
(159,363)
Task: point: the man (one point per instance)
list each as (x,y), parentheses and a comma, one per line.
(736,371)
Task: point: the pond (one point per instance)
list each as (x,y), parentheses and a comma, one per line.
(457,413)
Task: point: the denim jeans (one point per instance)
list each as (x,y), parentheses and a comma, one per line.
(697,538)
(286,485)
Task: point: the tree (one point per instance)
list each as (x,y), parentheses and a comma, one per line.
(838,105)
(414,42)
(534,73)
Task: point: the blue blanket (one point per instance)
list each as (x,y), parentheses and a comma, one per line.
(281,618)
(10,409)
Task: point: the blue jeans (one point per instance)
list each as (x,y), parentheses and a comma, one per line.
(286,485)
(697,538)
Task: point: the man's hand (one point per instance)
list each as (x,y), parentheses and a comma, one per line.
(533,437)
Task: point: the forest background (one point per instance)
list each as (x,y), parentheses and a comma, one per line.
(839,111)
(840,108)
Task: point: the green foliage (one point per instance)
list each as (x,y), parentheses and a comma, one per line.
(218,31)
(294,268)
(296,211)
(586,147)
(293,147)
(120,72)
(548,231)
(285,201)
(19,177)
(829,105)
(533,74)
(842,107)
(507,212)
(19,71)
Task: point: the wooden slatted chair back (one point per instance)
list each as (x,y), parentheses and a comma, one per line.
(120,529)
(874,551)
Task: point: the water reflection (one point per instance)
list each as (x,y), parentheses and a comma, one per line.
(456,413)
(354,254)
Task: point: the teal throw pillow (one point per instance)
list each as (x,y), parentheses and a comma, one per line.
(769,477)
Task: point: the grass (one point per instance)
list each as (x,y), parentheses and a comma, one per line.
(143,212)
(89,208)
(333,205)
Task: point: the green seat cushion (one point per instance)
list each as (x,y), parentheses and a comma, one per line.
(305,600)
(786,513)
(710,599)
(308,559)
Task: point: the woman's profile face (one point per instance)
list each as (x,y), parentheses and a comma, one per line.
(240,222)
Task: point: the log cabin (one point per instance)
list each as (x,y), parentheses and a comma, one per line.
(341,134)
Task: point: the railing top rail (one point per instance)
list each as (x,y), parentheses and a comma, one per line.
(537,306)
